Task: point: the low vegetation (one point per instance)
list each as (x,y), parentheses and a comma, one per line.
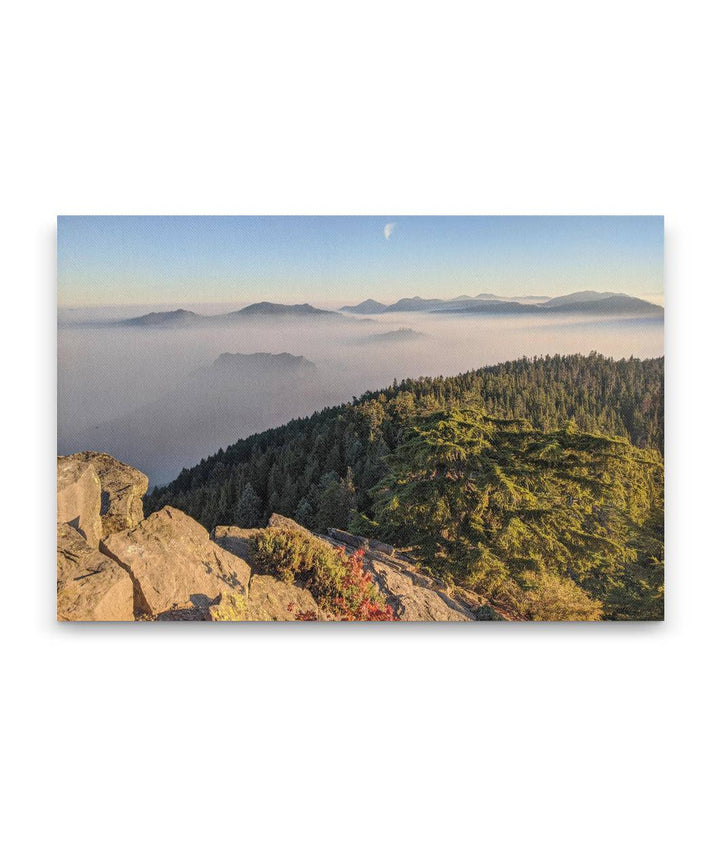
(337,582)
(231,607)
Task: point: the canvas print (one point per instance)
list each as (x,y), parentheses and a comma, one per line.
(404,419)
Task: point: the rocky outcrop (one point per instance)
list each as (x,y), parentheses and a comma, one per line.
(235,540)
(277,521)
(90,586)
(122,488)
(414,596)
(360,543)
(78,498)
(270,599)
(177,571)
(114,565)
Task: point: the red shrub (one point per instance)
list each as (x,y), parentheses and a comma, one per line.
(359,599)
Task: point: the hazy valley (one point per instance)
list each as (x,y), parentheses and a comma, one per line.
(149,387)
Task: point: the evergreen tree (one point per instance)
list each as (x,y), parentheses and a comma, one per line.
(248,508)
(305,514)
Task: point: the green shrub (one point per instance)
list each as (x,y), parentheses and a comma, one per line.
(284,554)
(336,581)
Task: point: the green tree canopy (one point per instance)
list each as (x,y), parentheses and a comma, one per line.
(513,511)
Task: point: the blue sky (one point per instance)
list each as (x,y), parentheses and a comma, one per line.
(332,260)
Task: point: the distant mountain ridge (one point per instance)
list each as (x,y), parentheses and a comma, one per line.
(266,308)
(367,307)
(421,304)
(186,318)
(581,297)
(180,317)
(613,303)
(587,302)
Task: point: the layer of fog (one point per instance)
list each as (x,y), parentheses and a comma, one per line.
(131,392)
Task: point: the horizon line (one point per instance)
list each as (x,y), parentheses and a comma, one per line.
(651,297)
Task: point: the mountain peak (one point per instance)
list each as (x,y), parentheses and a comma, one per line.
(176,316)
(367,307)
(267,308)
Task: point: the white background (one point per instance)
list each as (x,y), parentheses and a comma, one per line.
(354,739)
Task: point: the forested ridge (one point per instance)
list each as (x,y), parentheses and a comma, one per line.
(538,482)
